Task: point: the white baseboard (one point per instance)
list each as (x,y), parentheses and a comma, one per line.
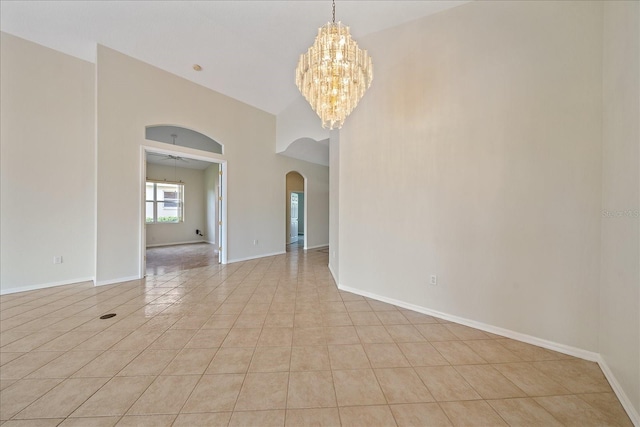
(118,280)
(333,274)
(45,285)
(177,243)
(617,389)
(316,247)
(529,339)
(231,261)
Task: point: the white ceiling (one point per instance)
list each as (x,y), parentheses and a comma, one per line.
(248,49)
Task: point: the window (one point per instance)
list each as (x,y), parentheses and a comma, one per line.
(164,202)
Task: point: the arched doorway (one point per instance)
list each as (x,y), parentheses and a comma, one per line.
(296,213)
(178,152)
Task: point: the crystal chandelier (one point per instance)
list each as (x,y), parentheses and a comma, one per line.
(334,73)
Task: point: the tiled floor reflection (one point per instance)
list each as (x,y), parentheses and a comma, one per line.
(169,259)
(272,342)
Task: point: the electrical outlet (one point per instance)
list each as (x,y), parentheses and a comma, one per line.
(57,259)
(255,242)
(433,280)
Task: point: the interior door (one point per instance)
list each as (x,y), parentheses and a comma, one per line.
(293,229)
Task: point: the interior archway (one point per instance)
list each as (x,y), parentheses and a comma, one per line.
(198,153)
(296,213)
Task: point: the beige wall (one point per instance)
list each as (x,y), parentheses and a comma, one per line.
(194,207)
(132,95)
(501,151)
(490,143)
(619,335)
(295,182)
(48,166)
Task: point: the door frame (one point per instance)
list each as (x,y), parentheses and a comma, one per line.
(305,191)
(290,216)
(187,153)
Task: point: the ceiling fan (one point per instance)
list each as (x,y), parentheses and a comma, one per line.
(170,157)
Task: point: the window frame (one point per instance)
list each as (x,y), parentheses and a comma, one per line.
(180,201)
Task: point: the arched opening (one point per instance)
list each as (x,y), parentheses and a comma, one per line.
(183,201)
(296,213)
(183,137)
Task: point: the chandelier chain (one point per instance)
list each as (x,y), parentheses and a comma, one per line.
(334,11)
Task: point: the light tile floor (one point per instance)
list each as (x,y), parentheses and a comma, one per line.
(168,259)
(272,342)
